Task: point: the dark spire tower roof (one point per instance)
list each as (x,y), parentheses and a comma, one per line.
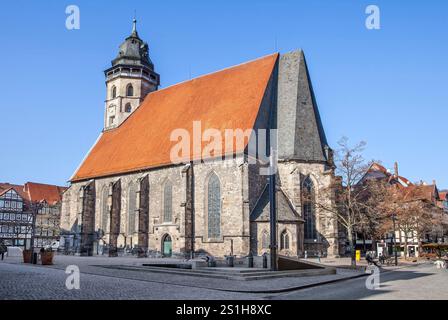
(133,51)
(299,124)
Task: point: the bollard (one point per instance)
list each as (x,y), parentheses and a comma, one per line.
(265,261)
(250,260)
(230,261)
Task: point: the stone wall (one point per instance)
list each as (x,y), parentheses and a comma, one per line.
(234,224)
(290,173)
(116,106)
(292,229)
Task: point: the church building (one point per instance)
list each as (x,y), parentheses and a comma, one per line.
(129,194)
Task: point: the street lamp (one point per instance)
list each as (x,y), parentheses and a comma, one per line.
(395,241)
(35,207)
(273,210)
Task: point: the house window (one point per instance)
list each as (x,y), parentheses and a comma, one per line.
(168,202)
(309,212)
(111,120)
(131,208)
(214,206)
(130,90)
(128,108)
(284,240)
(114,92)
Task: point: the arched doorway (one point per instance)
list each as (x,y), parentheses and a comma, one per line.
(167,246)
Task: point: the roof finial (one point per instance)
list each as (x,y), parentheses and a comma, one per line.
(134,22)
(134,25)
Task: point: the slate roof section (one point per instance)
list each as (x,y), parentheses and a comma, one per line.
(133,51)
(285,209)
(298,115)
(227,99)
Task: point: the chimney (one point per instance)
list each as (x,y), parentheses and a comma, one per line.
(396,169)
(434,182)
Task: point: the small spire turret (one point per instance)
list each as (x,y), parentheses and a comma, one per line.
(134,28)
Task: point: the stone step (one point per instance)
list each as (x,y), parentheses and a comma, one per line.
(236,274)
(235,270)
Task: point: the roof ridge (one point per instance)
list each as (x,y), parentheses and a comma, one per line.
(211,73)
(45,184)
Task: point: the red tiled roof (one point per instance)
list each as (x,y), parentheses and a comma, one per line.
(420,192)
(44,192)
(4,187)
(376,166)
(443,195)
(228,99)
(37,192)
(406,181)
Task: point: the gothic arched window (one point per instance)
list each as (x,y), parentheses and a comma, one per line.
(168,202)
(264,240)
(309,212)
(104,208)
(128,108)
(214,206)
(284,240)
(114,92)
(131,208)
(130,90)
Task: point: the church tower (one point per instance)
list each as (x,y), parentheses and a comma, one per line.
(129,80)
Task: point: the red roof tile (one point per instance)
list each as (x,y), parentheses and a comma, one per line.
(228,99)
(420,192)
(376,166)
(4,187)
(44,192)
(32,191)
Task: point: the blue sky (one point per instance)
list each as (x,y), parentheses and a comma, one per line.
(387,87)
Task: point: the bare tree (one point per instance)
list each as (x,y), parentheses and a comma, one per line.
(414,216)
(349,205)
(368,206)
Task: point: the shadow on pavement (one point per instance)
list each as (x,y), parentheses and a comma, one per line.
(353,289)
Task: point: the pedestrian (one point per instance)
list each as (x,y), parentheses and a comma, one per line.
(370,259)
(3,249)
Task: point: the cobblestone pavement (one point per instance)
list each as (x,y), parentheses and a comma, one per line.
(103,266)
(416,282)
(25,281)
(19,281)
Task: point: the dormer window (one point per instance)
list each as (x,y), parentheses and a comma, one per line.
(130,90)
